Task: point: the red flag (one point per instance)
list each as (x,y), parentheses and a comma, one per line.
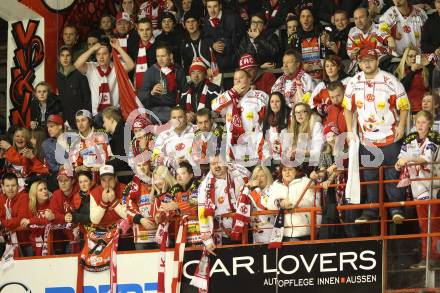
(128,99)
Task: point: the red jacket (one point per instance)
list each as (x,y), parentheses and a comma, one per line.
(265,82)
(61,204)
(110,216)
(19,211)
(335,114)
(29,166)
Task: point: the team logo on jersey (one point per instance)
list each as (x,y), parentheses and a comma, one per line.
(381,105)
(236,121)
(369,98)
(221,199)
(180,146)
(249,115)
(407,29)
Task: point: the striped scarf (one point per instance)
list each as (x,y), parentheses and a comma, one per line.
(179,251)
(104,89)
(142,62)
(202,101)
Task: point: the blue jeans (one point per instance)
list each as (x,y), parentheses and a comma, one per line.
(392,192)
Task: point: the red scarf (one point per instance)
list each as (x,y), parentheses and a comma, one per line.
(242,215)
(104,89)
(201,276)
(179,251)
(210,195)
(276,239)
(275,9)
(171,78)
(202,101)
(142,62)
(215,21)
(149,12)
(237,128)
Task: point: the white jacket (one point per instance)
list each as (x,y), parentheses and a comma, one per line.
(278,191)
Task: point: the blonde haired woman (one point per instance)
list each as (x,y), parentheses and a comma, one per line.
(39,214)
(303,136)
(161,190)
(262,225)
(414,75)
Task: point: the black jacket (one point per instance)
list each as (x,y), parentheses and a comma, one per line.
(133,50)
(265,48)
(73,94)
(172,40)
(52,107)
(213,91)
(117,145)
(341,37)
(279,19)
(161,104)
(430,37)
(230,31)
(187,48)
(82,214)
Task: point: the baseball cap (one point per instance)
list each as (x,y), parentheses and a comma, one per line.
(367,52)
(106,170)
(123,16)
(197,64)
(192,13)
(141,122)
(331,127)
(54,118)
(84,112)
(247,61)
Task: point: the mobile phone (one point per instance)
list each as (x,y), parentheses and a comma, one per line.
(419,59)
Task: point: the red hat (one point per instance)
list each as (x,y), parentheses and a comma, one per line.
(141,121)
(197,64)
(63,172)
(54,118)
(247,61)
(331,127)
(368,52)
(124,16)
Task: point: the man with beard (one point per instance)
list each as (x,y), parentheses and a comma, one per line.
(378,98)
(218,195)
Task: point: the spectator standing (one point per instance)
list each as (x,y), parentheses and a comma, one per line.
(162,84)
(218,195)
(295,84)
(142,50)
(73,87)
(414,75)
(430,38)
(405,23)
(194,44)
(102,74)
(223,30)
(379,98)
(243,109)
(260,42)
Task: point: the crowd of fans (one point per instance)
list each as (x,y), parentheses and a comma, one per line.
(307,82)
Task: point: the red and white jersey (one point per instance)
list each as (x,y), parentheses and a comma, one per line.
(376,102)
(253,109)
(90,151)
(406,30)
(320,94)
(374,38)
(296,89)
(170,145)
